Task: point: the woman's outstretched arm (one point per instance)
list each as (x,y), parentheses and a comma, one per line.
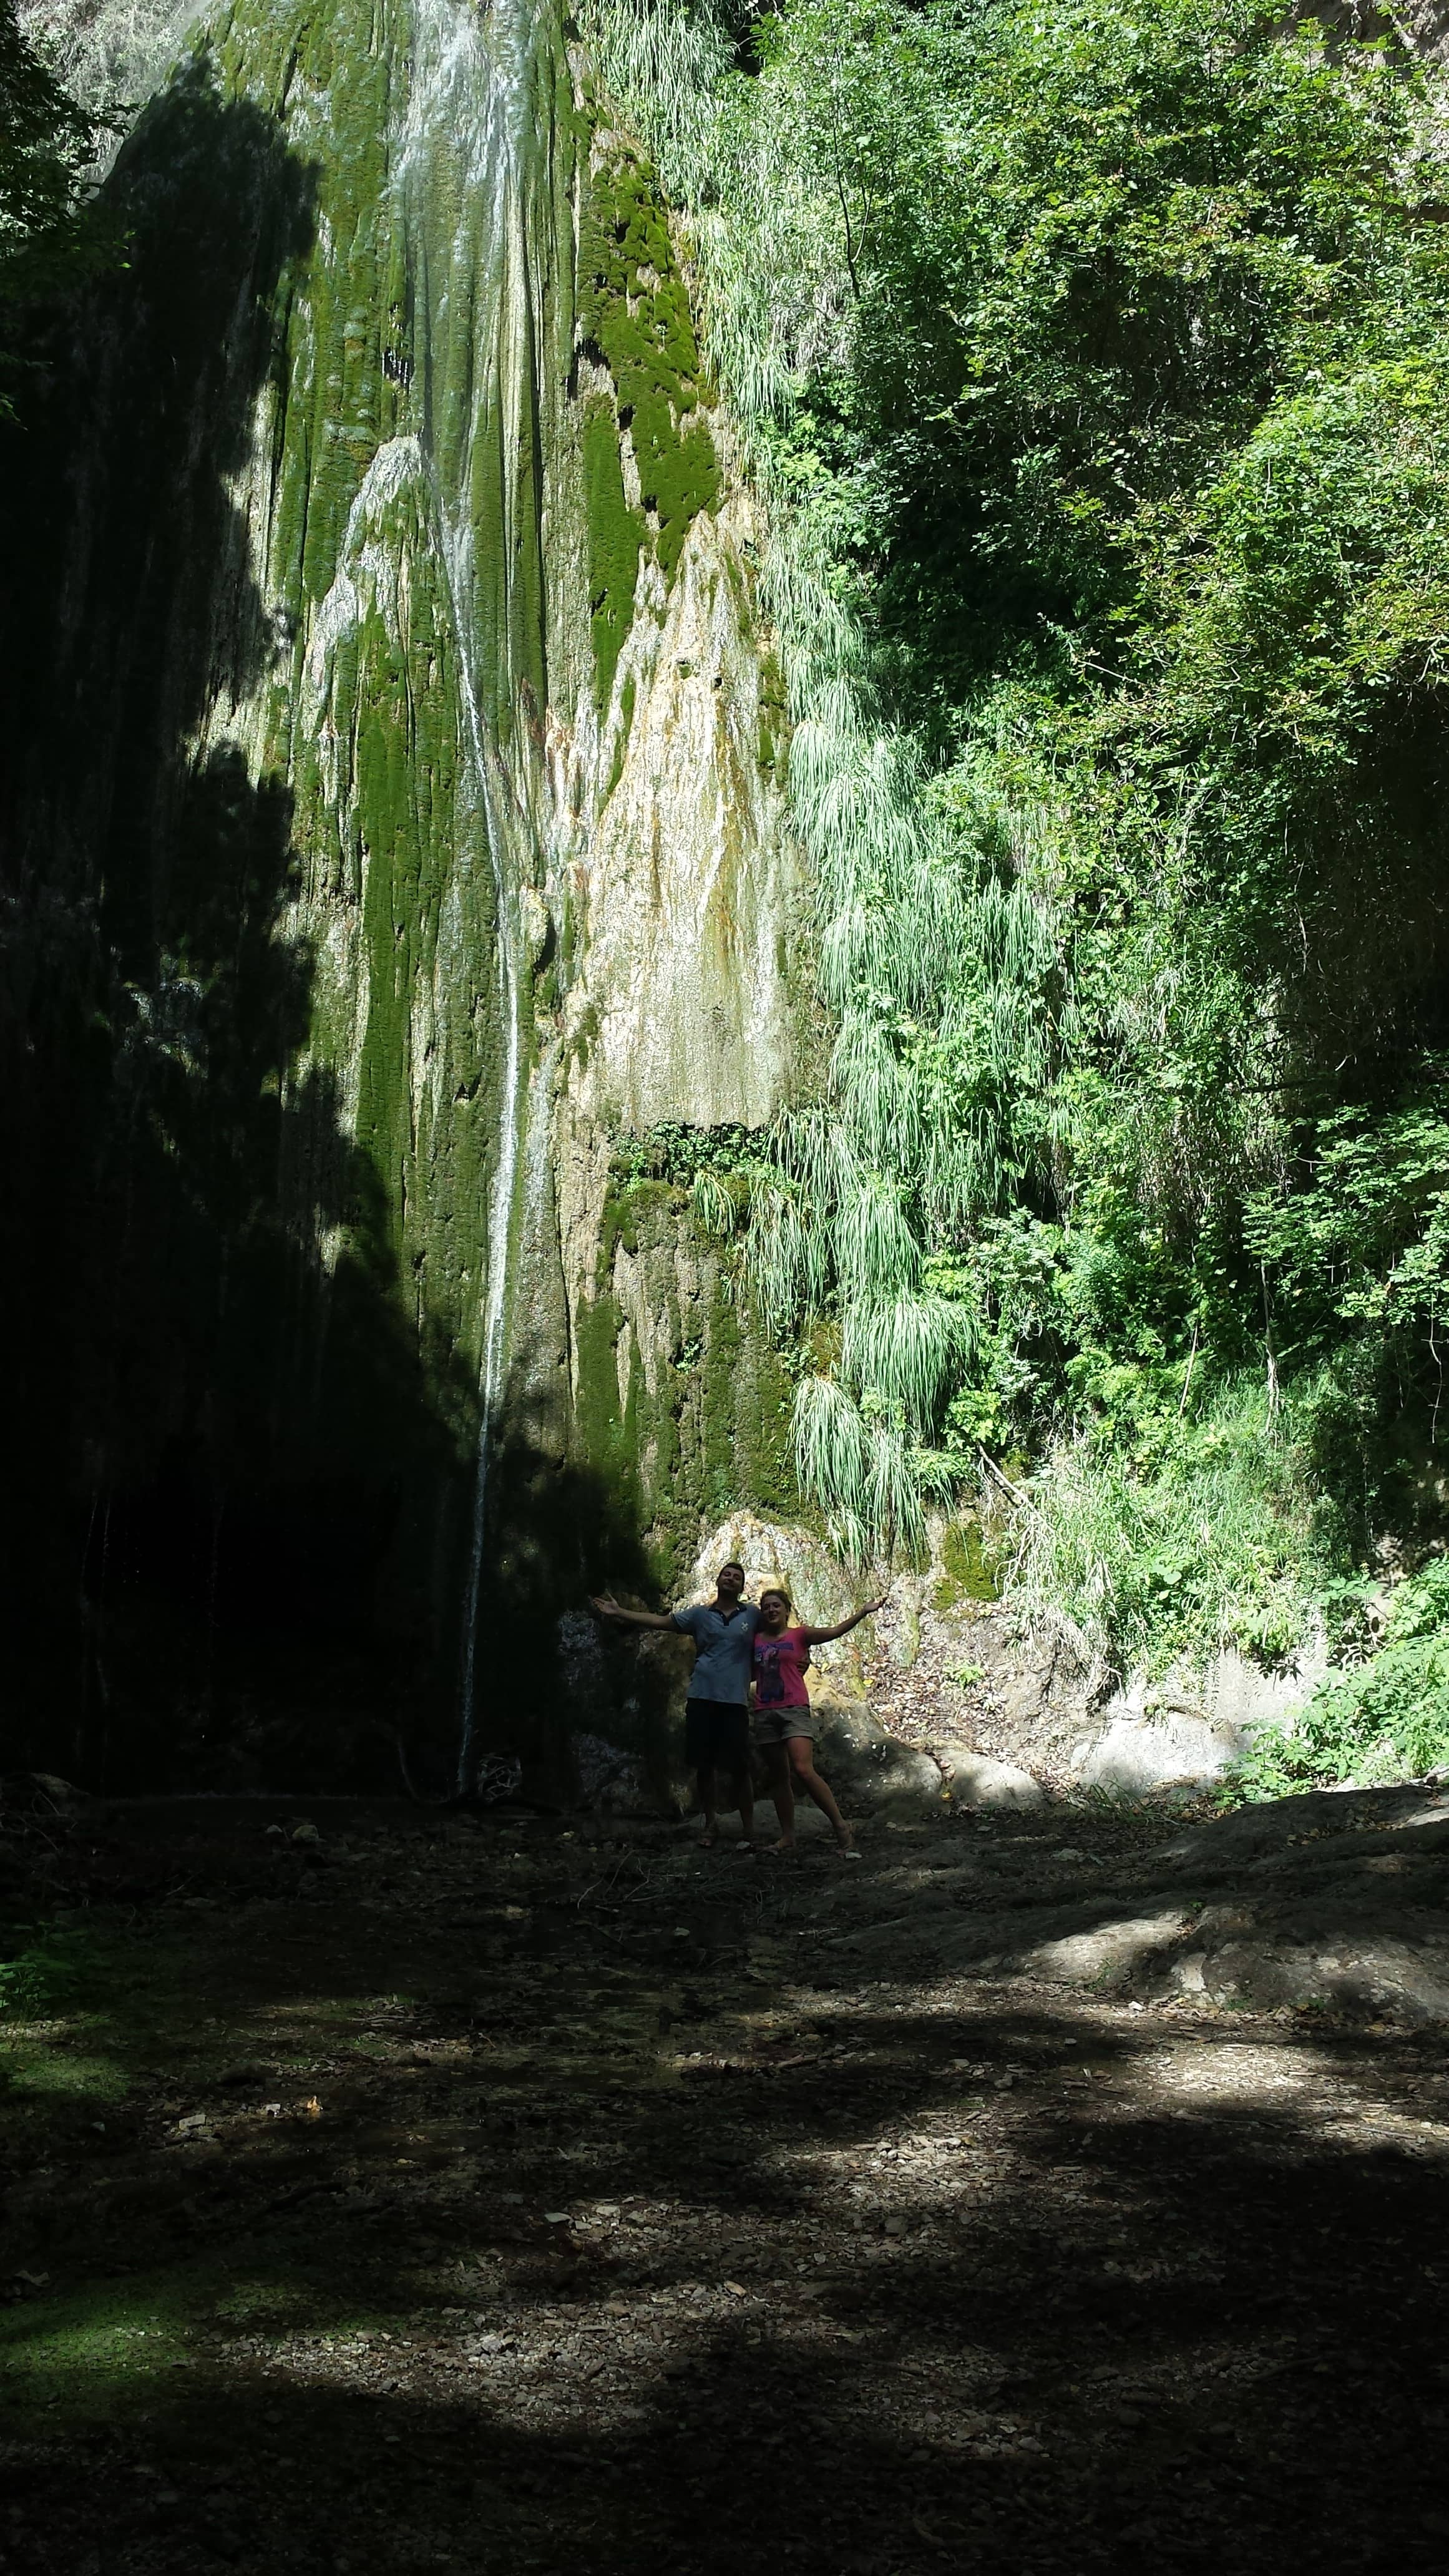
(608,1608)
(822,1636)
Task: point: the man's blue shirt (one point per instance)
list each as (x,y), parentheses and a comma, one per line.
(722,1650)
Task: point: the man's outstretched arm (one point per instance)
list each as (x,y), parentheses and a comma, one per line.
(608,1608)
(822,1636)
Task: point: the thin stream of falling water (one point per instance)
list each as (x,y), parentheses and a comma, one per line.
(500,1226)
(463,117)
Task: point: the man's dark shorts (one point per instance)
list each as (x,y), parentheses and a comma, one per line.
(717,1735)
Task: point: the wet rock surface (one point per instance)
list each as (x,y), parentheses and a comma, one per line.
(529,2192)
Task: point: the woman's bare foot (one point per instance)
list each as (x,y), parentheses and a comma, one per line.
(845,1843)
(708,1838)
(785,1842)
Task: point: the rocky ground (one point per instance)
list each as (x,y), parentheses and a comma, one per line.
(392,2190)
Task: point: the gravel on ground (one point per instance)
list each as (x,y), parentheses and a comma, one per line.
(398,2190)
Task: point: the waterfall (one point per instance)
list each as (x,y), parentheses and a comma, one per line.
(396,880)
(500,1228)
(467,154)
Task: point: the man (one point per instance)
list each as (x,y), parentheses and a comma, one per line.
(717,1711)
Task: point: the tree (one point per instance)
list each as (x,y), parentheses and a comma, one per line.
(51,233)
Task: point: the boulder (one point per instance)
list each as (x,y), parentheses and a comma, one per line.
(1187,1729)
(610,1778)
(1136,1752)
(821,1592)
(975,1780)
(870,1771)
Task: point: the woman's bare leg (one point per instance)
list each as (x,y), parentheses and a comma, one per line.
(704,1790)
(782,1793)
(803,1775)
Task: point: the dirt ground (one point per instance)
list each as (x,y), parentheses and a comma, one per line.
(516,2192)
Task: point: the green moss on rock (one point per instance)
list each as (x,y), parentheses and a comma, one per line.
(616,534)
(634,312)
(714,1432)
(774,720)
(969,1571)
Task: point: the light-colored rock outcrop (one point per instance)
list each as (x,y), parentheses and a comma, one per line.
(1188,1730)
(975,1780)
(1329,1902)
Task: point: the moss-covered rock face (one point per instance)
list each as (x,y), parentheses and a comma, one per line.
(616,541)
(634,308)
(644,430)
(677,1396)
(399,822)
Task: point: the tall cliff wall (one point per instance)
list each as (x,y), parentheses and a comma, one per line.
(392,824)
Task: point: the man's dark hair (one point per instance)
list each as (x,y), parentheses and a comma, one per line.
(732,1565)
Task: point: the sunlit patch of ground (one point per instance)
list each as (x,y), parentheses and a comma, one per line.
(518,2195)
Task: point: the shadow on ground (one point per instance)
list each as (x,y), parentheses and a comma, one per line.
(524,2194)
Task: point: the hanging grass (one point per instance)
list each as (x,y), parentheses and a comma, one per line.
(1089,367)
(909,894)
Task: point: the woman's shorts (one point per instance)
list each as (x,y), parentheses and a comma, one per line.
(775,1725)
(716,1734)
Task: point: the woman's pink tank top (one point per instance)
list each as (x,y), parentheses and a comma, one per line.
(780,1669)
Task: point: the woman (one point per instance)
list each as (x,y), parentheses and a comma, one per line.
(784,1726)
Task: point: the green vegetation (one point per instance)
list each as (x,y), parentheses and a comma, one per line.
(969,1572)
(615,536)
(280,545)
(50,234)
(97,2023)
(634,311)
(686,1432)
(1095,364)
(1383,1718)
(40,1968)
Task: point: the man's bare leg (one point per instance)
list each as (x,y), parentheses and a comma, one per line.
(783,1795)
(704,1787)
(803,1775)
